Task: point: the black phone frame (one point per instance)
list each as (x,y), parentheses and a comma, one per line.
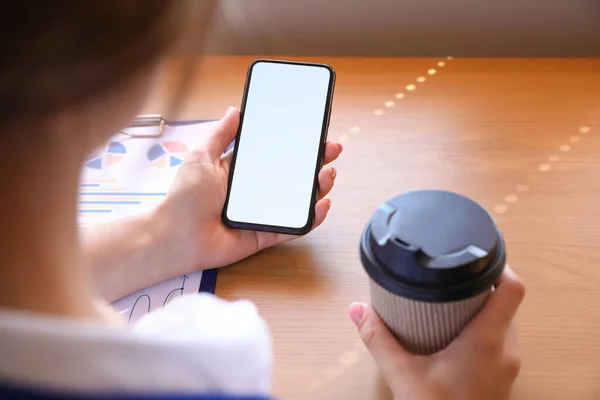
(324,131)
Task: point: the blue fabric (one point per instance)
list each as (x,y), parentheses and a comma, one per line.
(14,393)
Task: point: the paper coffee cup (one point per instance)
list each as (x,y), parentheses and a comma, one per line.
(433,258)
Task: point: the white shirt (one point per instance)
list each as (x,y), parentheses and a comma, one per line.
(196,344)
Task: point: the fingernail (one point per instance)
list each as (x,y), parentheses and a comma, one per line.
(357,312)
(333,173)
(230,109)
(328,204)
(341,147)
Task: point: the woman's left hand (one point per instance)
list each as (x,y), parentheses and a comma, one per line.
(191,212)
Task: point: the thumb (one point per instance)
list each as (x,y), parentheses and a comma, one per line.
(223,134)
(385,349)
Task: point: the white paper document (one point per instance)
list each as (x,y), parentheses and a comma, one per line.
(130,175)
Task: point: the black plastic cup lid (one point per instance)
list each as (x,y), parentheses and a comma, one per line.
(433,245)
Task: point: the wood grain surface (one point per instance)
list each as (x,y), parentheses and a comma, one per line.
(520,136)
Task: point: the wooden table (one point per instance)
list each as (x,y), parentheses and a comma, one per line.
(520,136)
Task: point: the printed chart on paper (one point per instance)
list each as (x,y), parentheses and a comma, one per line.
(131,175)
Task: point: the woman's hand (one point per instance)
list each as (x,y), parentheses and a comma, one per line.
(482,363)
(191,212)
(185,232)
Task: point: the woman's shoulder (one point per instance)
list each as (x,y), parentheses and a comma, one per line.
(196,344)
(229,339)
(205,318)
(20,393)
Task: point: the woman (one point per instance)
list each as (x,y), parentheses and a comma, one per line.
(73,74)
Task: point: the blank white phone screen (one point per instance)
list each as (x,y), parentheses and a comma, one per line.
(276,161)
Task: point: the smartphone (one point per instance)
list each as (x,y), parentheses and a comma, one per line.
(278,151)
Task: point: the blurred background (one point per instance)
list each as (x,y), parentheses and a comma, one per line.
(507,28)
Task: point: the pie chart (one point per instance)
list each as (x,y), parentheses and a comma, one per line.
(114,153)
(167,154)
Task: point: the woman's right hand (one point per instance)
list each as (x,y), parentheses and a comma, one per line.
(482,363)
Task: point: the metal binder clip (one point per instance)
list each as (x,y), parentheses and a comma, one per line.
(144,121)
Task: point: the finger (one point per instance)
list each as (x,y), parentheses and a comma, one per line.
(511,343)
(321,209)
(223,134)
(499,311)
(385,349)
(332,152)
(512,358)
(506,299)
(327,177)
(226,160)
